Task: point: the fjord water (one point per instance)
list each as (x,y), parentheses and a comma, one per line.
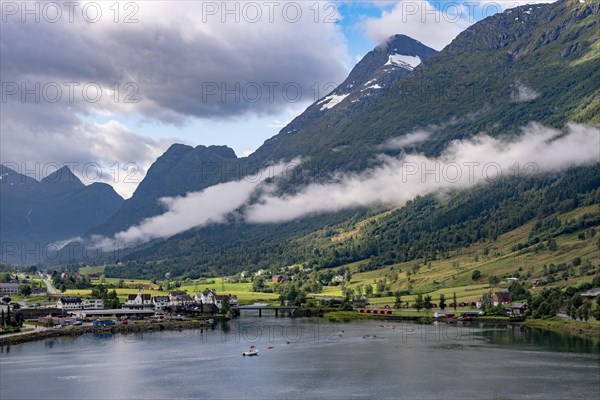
(323,360)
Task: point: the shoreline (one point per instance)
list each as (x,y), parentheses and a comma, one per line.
(82,330)
(566,327)
(558,325)
(572,328)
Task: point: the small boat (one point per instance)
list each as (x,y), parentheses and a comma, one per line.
(252,351)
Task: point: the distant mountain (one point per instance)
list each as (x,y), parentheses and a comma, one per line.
(181,169)
(56,208)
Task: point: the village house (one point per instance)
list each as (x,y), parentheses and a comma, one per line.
(93,304)
(39,291)
(76,303)
(512,280)
(69,303)
(260,272)
(517,309)
(180,298)
(206,297)
(160,302)
(500,298)
(538,281)
(210,297)
(9,289)
(231,300)
(138,300)
(337,278)
(277,278)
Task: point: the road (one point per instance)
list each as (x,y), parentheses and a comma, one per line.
(51,289)
(35,329)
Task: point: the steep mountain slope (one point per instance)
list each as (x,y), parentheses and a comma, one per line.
(58,207)
(328,117)
(532,63)
(535,63)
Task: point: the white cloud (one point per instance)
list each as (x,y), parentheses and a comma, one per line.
(407,140)
(196,209)
(164,66)
(463,164)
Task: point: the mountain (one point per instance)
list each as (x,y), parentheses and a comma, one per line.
(56,208)
(325,120)
(529,64)
(181,169)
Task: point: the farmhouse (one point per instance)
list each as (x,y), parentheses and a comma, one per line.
(517,309)
(501,298)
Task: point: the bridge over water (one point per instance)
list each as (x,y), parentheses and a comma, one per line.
(260,308)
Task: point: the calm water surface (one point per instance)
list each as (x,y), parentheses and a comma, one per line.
(323,360)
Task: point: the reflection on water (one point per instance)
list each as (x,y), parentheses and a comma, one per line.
(307,359)
(539,338)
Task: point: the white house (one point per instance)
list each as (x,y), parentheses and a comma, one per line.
(206,297)
(69,303)
(139,300)
(9,289)
(93,304)
(160,302)
(260,272)
(211,297)
(180,298)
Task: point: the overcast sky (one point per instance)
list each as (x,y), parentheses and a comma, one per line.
(91,82)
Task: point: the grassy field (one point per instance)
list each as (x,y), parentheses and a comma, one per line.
(454,274)
(243,291)
(443,276)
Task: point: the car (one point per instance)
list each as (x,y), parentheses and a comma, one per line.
(58,326)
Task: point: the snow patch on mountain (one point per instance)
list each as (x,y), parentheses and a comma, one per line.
(332,101)
(407,62)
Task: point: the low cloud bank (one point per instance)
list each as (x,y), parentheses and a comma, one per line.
(464,164)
